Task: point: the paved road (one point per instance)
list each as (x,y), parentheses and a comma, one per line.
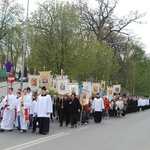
(129,133)
(15,85)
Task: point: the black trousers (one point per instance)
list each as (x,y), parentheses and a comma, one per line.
(66,116)
(43,125)
(73,118)
(98,116)
(35,120)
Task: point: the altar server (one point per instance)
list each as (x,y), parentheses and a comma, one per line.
(43,110)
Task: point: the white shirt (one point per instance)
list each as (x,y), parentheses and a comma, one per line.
(98,104)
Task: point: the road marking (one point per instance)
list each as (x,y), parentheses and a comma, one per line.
(82,128)
(35,142)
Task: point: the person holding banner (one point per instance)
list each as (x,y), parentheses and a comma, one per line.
(8,105)
(98,106)
(74,109)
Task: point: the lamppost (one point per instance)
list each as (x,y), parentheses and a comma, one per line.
(108,74)
(24,46)
(145,80)
(134,78)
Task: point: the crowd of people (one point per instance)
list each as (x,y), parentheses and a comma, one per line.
(27,110)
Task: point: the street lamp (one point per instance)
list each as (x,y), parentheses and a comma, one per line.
(24,46)
(145,80)
(134,78)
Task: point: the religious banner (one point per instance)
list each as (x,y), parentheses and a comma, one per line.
(103,85)
(51,81)
(62,86)
(80,89)
(87,86)
(84,97)
(110,92)
(54,83)
(101,93)
(45,79)
(8,66)
(59,77)
(73,88)
(117,88)
(95,87)
(34,82)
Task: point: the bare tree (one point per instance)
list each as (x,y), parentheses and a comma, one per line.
(103,23)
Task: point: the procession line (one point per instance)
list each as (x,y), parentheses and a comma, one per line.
(35,142)
(82,128)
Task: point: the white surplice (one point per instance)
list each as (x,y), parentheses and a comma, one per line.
(44,106)
(27,105)
(98,104)
(9,112)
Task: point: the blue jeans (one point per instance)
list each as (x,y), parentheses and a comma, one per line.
(30,120)
(83,116)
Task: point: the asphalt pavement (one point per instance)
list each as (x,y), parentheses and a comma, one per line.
(15,85)
(127,133)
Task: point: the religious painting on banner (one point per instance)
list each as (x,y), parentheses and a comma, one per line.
(45,78)
(110,92)
(62,86)
(95,87)
(59,77)
(87,86)
(84,97)
(117,89)
(73,88)
(34,82)
(103,85)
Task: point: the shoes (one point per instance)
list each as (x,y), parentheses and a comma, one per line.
(1,130)
(10,130)
(75,125)
(72,126)
(33,131)
(22,131)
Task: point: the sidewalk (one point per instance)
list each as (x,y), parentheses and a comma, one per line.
(3,83)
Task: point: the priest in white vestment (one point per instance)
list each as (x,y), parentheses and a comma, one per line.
(23,110)
(8,105)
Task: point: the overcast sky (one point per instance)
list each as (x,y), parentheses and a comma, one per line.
(123,8)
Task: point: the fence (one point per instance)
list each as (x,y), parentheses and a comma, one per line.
(2,74)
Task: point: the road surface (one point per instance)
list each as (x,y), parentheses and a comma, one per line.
(129,133)
(15,85)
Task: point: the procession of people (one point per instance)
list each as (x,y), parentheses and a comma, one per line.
(32,111)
